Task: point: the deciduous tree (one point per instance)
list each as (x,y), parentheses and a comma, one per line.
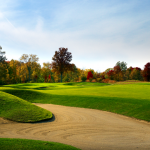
(146,72)
(90,75)
(110,74)
(29,60)
(117,74)
(123,65)
(61,61)
(2,58)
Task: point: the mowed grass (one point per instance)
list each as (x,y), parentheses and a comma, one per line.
(17,109)
(127,99)
(23,144)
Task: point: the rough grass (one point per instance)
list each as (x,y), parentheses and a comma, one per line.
(17,109)
(23,144)
(127,99)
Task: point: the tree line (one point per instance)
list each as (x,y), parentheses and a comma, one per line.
(28,70)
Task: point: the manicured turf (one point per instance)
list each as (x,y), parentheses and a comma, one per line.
(17,109)
(23,144)
(128,99)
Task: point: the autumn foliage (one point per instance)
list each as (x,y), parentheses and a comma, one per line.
(90,75)
(110,74)
(28,70)
(146,72)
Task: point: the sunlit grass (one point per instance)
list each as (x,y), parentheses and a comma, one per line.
(24,144)
(128,99)
(17,109)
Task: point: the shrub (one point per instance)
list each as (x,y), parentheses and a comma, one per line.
(66,79)
(40,80)
(90,79)
(99,79)
(105,80)
(111,81)
(94,80)
(83,78)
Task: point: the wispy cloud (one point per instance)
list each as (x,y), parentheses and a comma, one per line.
(98,33)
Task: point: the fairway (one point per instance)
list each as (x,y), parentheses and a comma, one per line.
(127,99)
(79,127)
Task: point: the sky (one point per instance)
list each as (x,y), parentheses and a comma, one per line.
(98,33)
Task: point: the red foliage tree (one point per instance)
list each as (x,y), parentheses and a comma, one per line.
(117,73)
(102,75)
(110,74)
(49,77)
(90,75)
(117,69)
(146,72)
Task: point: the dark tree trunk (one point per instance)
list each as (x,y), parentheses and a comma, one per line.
(29,69)
(61,76)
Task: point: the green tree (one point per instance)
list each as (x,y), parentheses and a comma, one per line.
(135,74)
(3,72)
(123,65)
(29,60)
(2,58)
(61,61)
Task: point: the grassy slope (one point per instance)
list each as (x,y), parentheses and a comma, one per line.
(129,99)
(23,144)
(17,109)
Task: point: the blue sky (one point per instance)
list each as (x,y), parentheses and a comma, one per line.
(98,33)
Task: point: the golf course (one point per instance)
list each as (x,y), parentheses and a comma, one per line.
(85,115)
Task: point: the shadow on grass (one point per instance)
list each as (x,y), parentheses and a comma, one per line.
(45,121)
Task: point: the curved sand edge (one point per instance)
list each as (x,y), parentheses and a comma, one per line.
(83,128)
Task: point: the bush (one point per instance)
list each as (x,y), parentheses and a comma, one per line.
(40,80)
(90,79)
(83,78)
(99,79)
(105,80)
(111,81)
(66,79)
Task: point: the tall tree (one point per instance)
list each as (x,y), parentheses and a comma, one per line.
(46,71)
(61,61)
(146,72)
(2,58)
(3,72)
(117,71)
(30,61)
(123,65)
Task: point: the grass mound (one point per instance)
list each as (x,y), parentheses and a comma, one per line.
(17,109)
(23,144)
(127,99)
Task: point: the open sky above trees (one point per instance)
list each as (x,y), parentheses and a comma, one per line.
(98,33)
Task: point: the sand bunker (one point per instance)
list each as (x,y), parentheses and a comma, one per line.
(87,129)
